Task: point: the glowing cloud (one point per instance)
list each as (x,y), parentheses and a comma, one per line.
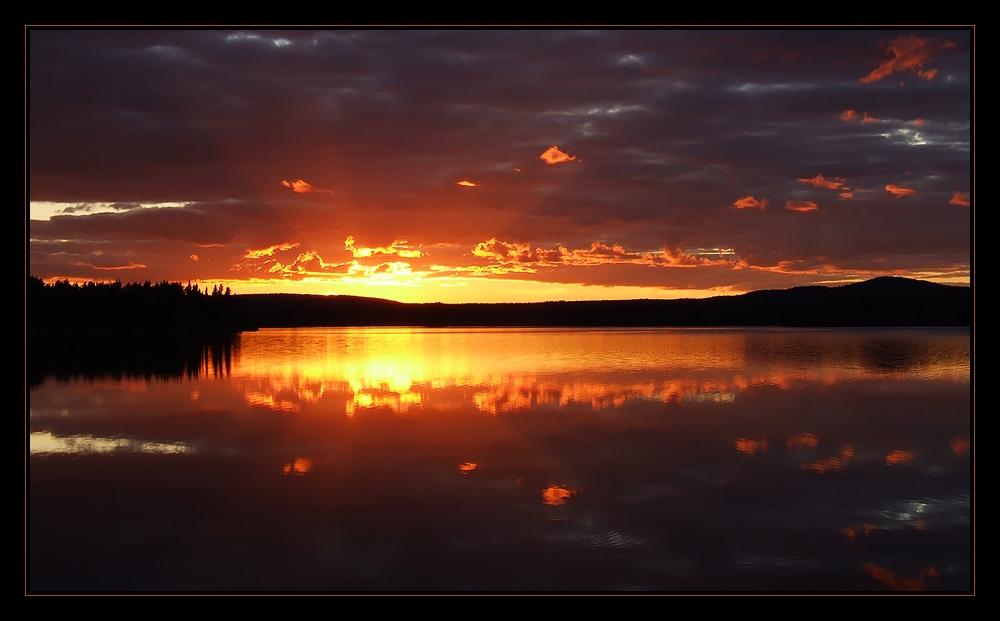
(960,198)
(555,156)
(820,182)
(113,268)
(870,119)
(269,251)
(909,54)
(898,191)
(520,257)
(801,206)
(397,247)
(918,121)
(303,187)
(849,115)
(749,202)
(194,257)
(467,184)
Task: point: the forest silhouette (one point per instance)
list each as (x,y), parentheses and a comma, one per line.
(170,329)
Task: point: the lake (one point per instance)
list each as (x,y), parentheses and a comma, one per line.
(410,459)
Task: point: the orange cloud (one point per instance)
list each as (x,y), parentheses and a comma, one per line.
(467,184)
(898,191)
(305,264)
(599,253)
(846,194)
(113,268)
(918,121)
(749,202)
(849,115)
(303,187)
(960,198)
(870,119)
(397,247)
(555,156)
(269,251)
(194,257)
(820,182)
(801,206)
(909,54)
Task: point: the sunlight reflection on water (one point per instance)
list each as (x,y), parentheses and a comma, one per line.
(556,459)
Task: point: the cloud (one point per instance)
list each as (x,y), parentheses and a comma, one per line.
(870,119)
(960,198)
(801,206)
(194,257)
(303,187)
(398,247)
(305,264)
(749,202)
(898,191)
(849,115)
(599,253)
(269,251)
(555,156)
(820,182)
(467,184)
(909,54)
(113,268)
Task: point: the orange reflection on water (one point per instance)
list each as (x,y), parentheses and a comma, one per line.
(300,466)
(504,370)
(750,447)
(270,401)
(900,583)
(467,467)
(556,495)
(833,464)
(867,529)
(960,445)
(803,440)
(896,457)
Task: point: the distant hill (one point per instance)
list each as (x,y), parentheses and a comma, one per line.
(884,301)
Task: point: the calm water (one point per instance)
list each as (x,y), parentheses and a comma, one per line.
(515,460)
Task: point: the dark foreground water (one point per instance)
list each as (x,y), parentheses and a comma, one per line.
(515,460)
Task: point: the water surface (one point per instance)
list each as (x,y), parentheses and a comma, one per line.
(557,460)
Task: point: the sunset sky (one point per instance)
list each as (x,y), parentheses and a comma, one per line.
(500,165)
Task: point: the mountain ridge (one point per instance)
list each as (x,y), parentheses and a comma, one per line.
(882,301)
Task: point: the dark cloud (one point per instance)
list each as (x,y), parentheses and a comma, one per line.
(669,130)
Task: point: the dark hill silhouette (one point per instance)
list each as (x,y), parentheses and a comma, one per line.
(166,329)
(880,302)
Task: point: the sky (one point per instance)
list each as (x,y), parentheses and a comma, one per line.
(499,165)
